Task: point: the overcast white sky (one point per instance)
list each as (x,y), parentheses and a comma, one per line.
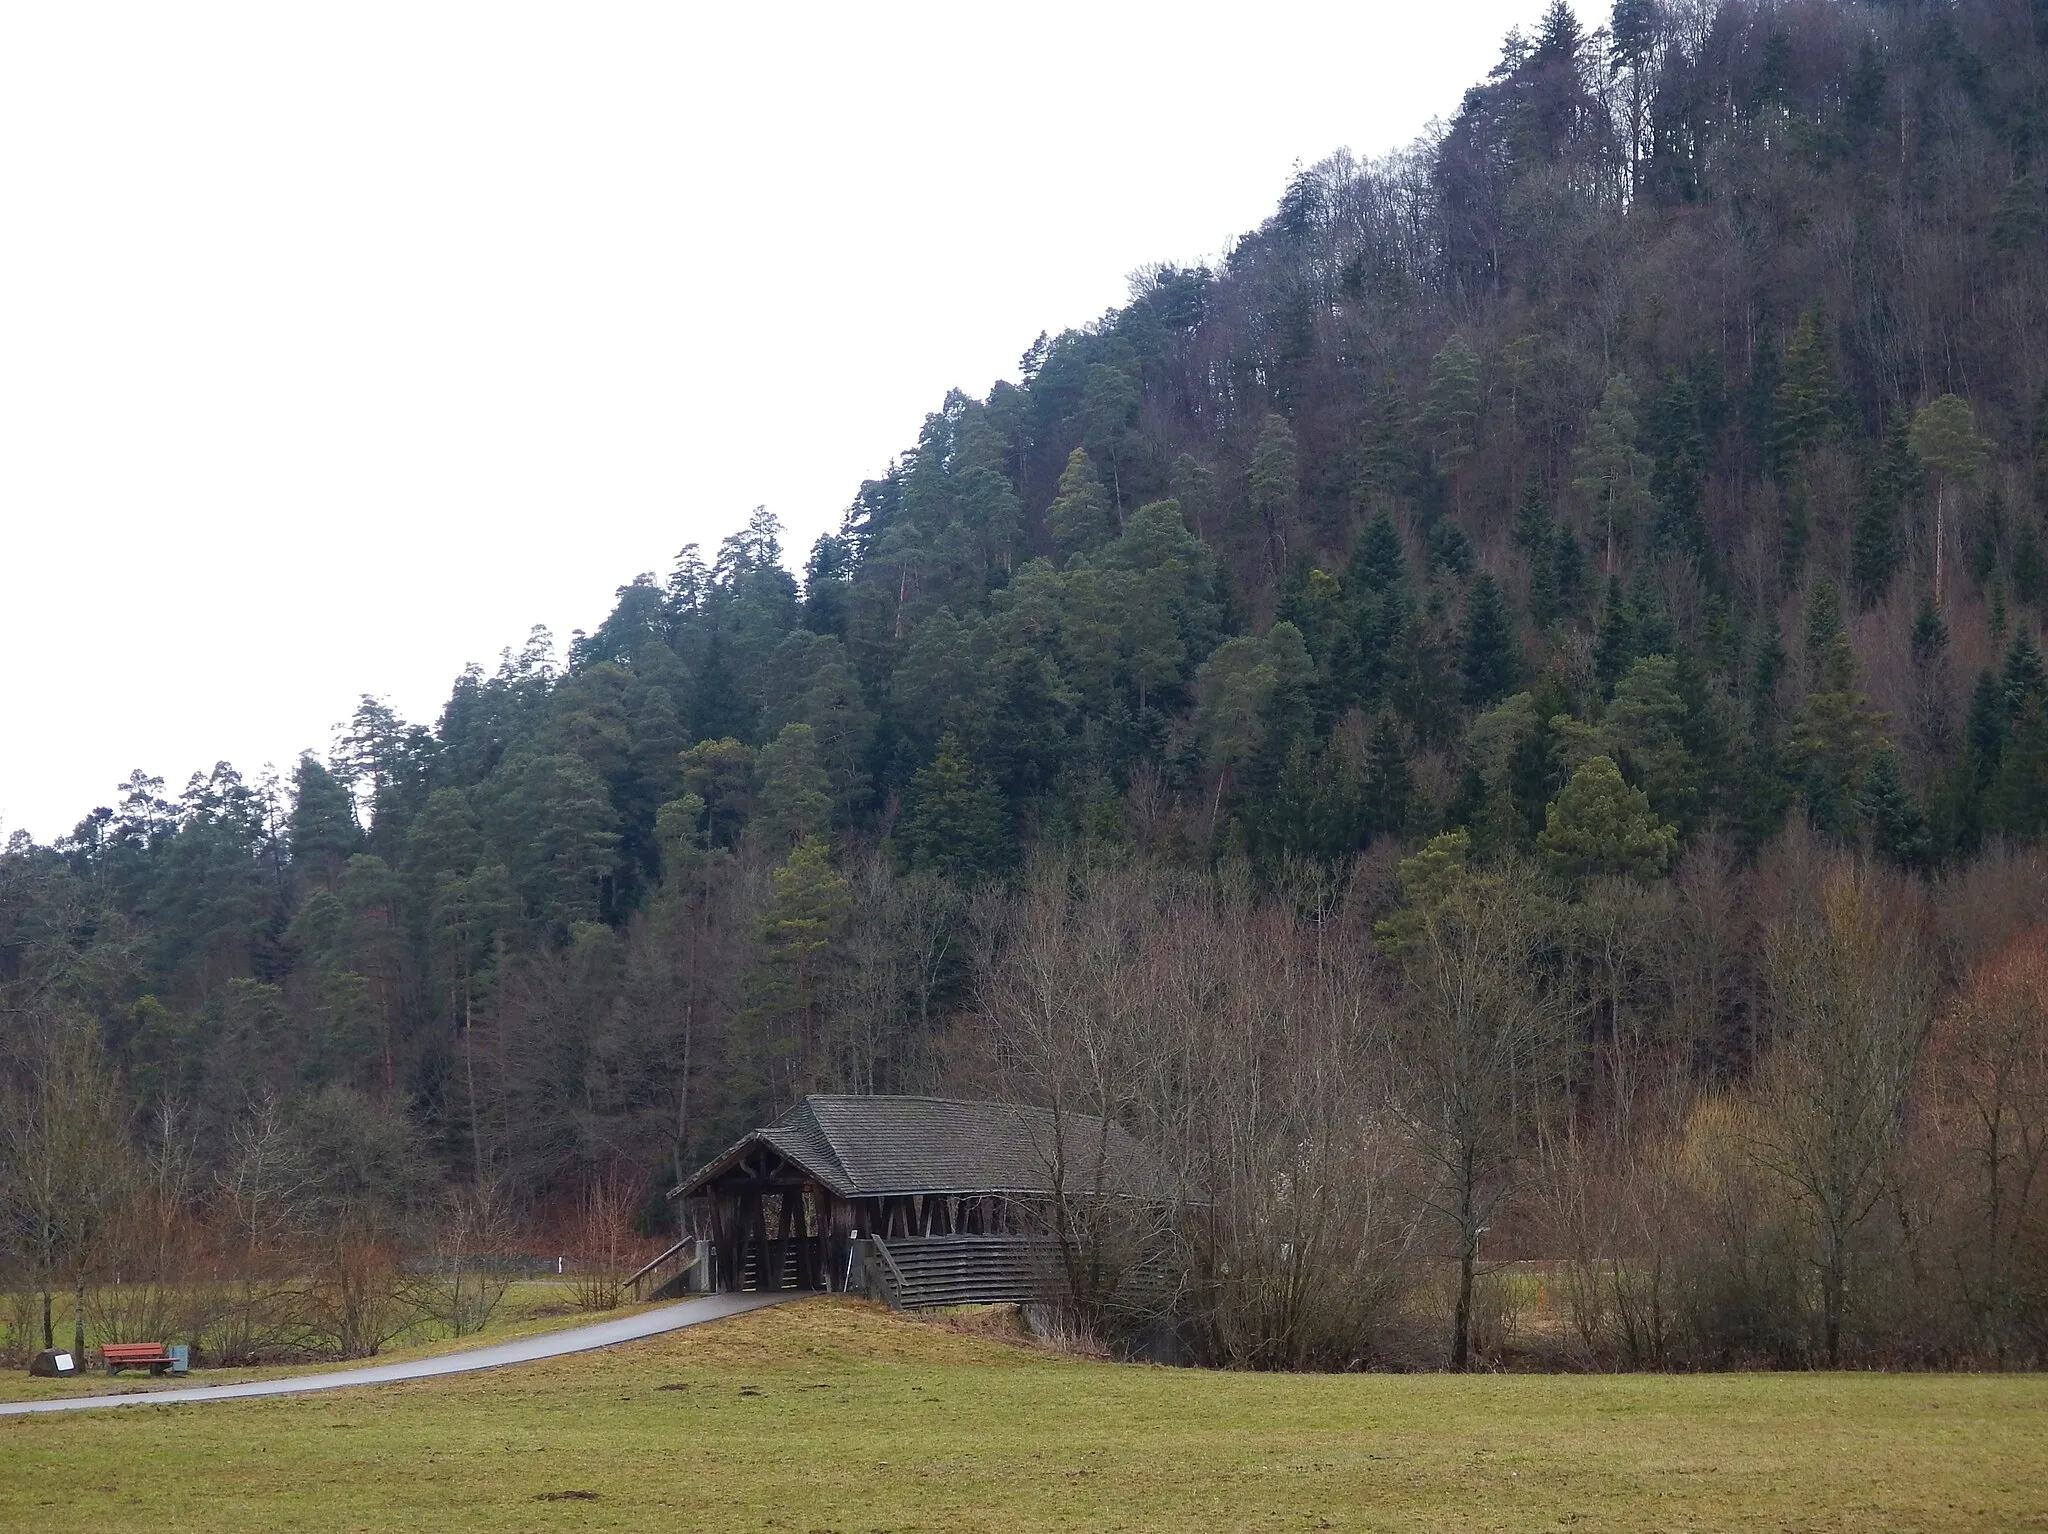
(340,344)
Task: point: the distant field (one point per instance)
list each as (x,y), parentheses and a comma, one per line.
(833,1415)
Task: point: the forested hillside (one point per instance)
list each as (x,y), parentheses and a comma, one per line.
(1591,562)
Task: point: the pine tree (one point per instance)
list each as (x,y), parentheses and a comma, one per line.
(1944,437)
(1194,489)
(1650,628)
(1898,830)
(955,822)
(1450,548)
(1381,462)
(1379,563)
(1875,548)
(2037,444)
(1677,480)
(1804,404)
(1823,628)
(1834,740)
(1568,572)
(1767,671)
(1450,405)
(1645,724)
(1599,825)
(1490,658)
(2022,676)
(2029,561)
(720,710)
(1759,404)
(1986,729)
(1109,405)
(790,989)
(1929,638)
(1078,518)
(323,830)
(1532,532)
(1615,646)
(721,774)
(1613,472)
(1274,485)
(795,794)
(1389,784)
(2018,801)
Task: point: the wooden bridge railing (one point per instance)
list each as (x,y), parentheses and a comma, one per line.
(918,1273)
(666,1269)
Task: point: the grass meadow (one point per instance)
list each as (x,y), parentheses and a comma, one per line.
(831,1414)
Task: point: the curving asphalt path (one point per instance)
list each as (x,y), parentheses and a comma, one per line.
(571,1339)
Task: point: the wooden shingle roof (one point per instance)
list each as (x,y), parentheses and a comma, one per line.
(873,1147)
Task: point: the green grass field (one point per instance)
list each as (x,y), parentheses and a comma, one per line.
(833,1415)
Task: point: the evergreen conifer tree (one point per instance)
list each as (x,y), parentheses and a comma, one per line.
(1599,825)
(2018,802)
(1898,829)
(1834,739)
(1568,571)
(795,795)
(1875,547)
(1450,405)
(955,822)
(322,830)
(1379,562)
(2022,676)
(1805,400)
(1274,485)
(1078,518)
(1615,647)
(1490,658)
(1823,628)
(1389,784)
(1986,729)
(1929,638)
(1532,532)
(1944,438)
(1613,472)
(1194,490)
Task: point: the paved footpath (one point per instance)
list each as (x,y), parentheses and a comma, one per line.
(570,1339)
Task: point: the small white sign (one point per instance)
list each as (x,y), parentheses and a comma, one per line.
(64,1363)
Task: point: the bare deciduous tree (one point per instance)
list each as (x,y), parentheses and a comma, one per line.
(64,1157)
(1066,991)
(1852,978)
(1476,1069)
(1990,1061)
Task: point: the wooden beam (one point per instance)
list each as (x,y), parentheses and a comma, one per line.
(765,1277)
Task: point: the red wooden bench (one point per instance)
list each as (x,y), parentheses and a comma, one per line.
(135,1355)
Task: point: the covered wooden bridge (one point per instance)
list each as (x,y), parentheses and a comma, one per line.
(919,1200)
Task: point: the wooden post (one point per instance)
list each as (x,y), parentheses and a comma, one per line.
(765,1276)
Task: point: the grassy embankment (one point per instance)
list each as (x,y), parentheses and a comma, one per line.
(528,1306)
(831,1415)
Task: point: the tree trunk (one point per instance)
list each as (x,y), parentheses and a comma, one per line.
(49,1326)
(1833,1286)
(1940,537)
(1461,1314)
(78,1315)
(1468,1260)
